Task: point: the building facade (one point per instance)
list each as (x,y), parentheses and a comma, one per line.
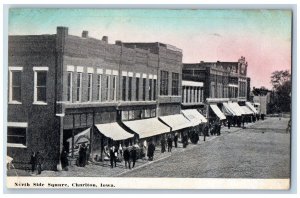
(223,81)
(60,85)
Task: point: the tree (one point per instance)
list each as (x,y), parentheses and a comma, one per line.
(279,78)
(282,87)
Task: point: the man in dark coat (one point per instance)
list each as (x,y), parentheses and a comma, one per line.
(33,161)
(185,140)
(82,155)
(163,144)
(133,156)
(229,122)
(126,155)
(175,139)
(113,152)
(170,141)
(151,149)
(39,162)
(218,128)
(64,160)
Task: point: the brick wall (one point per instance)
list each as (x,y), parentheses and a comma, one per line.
(42,132)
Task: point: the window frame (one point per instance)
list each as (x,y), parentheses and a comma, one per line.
(130,88)
(90,87)
(70,88)
(114,87)
(175,84)
(99,86)
(144,85)
(36,70)
(164,83)
(10,95)
(137,88)
(79,91)
(18,125)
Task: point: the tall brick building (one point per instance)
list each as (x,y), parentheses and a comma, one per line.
(223,81)
(61,85)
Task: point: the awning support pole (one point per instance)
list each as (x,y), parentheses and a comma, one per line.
(73,136)
(91,137)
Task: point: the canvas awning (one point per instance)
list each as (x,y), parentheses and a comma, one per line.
(176,122)
(227,110)
(238,108)
(218,112)
(235,109)
(81,137)
(114,131)
(247,110)
(248,104)
(147,127)
(194,116)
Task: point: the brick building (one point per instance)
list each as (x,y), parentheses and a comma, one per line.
(224,82)
(62,87)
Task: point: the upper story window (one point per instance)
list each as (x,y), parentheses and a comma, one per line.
(99,78)
(150,89)
(90,86)
(124,88)
(164,79)
(137,88)
(175,84)
(154,89)
(113,88)
(69,86)
(78,87)
(15,82)
(144,88)
(107,87)
(129,88)
(40,85)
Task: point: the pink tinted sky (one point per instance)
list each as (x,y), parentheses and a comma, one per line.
(262,36)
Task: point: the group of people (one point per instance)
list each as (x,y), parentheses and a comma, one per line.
(168,142)
(130,155)
(215,128)
(36,161)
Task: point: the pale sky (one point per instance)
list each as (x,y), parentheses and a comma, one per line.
(262,36)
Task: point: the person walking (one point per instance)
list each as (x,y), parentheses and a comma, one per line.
(39,162)
(133,155)
(33,161)
(126,155)
(229,122)
(151,149)
(175,139)
(185,140)
(112,154)
(163,144)
(170,141)
(82,155)
(64,160)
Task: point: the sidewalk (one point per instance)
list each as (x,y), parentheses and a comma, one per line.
(103,169)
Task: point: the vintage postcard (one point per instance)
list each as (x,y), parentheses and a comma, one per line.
(149,98)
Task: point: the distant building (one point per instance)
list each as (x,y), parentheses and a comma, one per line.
(223,82)
(261,98)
